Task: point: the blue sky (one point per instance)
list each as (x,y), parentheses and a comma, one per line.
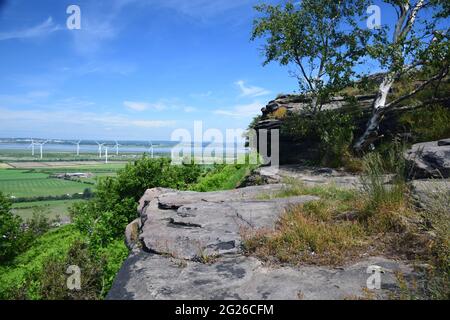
(137,69)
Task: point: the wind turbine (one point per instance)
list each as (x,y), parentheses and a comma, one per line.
(41,145)
(117,147)
(106,155)
(78,147)
(151,149)
(100,145)
(32,147)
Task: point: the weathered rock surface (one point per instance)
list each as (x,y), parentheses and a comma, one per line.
(235,277)
(300,103)
(432,192)
(190,248)
(293,151)
(307,175)
(430,159)
(189,225)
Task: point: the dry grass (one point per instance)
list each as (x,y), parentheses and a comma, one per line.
(345,224)
(310,234)
(338,228)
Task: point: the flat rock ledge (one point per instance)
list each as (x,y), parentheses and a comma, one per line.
(188,245)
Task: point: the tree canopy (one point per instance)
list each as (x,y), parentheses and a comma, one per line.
(321,39)
(326,39)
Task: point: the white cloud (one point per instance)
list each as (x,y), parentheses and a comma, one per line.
(240,111)
(190,109)
(203,9)
(23,99)
(160,105)
(44,29)
(201,95)
(143,106)
(153,124)
(55,119)
(251,91)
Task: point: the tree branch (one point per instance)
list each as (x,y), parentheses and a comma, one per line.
(417,90)
(299,63)
(412,18)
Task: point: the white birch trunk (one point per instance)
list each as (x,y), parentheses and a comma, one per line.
(402,28)
(377,113)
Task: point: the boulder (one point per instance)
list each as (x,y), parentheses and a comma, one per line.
(431,194)
(190,225)
(443,143)
(132,234)
(429,160)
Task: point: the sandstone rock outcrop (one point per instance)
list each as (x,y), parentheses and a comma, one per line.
(190,248)
(293,151)
(429,159)
(300,103)
(308,176)
(193,225)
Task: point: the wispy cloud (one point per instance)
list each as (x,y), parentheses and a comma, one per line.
(22,99)
(190,109)
(204,8)
(161,105)
(143,106)
(251,91)
(201,95)
(54,119)
(240,111)
(43,29)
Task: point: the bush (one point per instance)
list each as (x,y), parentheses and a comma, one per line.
(40,272)
(428,124)
(20,279)
(223,177)
(10,231)
(330,131)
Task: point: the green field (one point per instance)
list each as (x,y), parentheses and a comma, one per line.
(36,182)
(23,183)
(51,209)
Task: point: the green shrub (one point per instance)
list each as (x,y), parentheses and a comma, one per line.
(38,224)
(428,124)
(10,231)
(20,279)
(40,272)
(223,177)
(330,131)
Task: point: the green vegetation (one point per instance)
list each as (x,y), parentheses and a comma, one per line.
(329,131)
(40,272)
(35,267)
(223,177)
(23,183)
(308,36)
(52,209)
(427,124)
(380,219)
(9,231)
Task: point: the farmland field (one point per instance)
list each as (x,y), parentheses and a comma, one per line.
(23,183)
(51,209)
(30,179)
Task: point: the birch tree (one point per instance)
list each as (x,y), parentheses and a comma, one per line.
(319,38)
(419,40)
